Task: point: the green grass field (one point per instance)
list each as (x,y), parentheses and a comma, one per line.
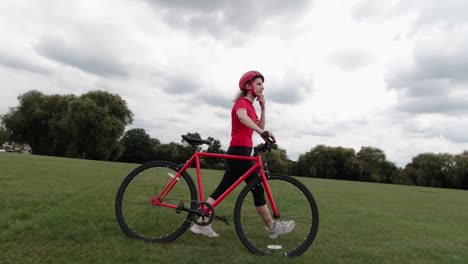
(57,210)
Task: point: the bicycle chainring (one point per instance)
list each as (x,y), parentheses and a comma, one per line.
(202,218)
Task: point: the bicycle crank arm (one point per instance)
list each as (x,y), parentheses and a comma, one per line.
(181,207)
(197,212)
(222,219)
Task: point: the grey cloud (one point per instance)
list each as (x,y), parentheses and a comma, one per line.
(352,59)
(455,130)
(429,13)
(434,82)
(21,64)
(315,126)
(329,128)
(176,82)
(320,132)
(438,64)
(366,9)
(432,62)
(434,104)
(159,120)
(291,90)
(377,11)
(448,13)
(223,114)
(188,87)
(216,100)
(414,128)
(180,85)
(218,17)
(286,95)
(84,59)
(457,134)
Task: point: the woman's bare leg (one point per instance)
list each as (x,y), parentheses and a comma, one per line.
(264,213)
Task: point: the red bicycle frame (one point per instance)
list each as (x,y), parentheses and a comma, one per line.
(159,199)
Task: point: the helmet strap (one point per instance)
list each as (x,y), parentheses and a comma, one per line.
(252,88)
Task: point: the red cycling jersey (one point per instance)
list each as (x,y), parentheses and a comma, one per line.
(241,135)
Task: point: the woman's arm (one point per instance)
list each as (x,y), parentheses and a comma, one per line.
(246,121)
(261,102)
(261,122)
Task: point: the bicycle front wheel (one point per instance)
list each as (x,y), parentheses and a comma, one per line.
(294,202)
(139,218)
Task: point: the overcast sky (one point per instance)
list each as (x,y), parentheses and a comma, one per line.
(389,74)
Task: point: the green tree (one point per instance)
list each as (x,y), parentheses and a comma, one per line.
(428,169)
(114,105)
(448,177)
(317,163)
(137,146)
(117,152)
(28,123)
(436,170)
(215,146)
(372,162)
(88,126)
(344,162)
(37,122)
(60,135)
(461,171)
(212,163)
(4,136)
(173,152)
(369,164)
(389,172)
(402,177)
(277,161)
(96,121)
(155,143)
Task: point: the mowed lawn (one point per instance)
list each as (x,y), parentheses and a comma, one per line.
(57,210)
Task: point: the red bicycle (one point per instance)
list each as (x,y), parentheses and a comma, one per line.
(158,201)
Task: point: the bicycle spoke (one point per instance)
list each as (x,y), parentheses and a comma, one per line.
(138,217)
(294,203)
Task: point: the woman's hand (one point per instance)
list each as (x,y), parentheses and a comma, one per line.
(268,136)
(261,101)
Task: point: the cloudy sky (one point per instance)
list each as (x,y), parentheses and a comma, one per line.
(389,74)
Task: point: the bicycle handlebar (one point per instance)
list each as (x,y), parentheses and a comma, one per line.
(263,147)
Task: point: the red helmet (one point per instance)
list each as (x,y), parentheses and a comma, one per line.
(249,76)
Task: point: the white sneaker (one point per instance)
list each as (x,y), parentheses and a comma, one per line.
(280,228)
(203,230)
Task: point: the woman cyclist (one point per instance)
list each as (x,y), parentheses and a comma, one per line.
(244,121)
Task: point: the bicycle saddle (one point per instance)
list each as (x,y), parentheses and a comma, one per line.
(195,141)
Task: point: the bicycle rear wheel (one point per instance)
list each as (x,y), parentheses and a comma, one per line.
(294,202)
(139,218)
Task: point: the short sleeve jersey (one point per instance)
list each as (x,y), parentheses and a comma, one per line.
(241,135)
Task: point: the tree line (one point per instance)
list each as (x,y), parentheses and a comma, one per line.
(92,126)
(88,126)
(370,164)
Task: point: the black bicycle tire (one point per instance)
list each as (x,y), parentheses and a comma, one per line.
(310,199)
(120,195)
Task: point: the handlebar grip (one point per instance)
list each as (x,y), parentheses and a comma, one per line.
(266,136)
